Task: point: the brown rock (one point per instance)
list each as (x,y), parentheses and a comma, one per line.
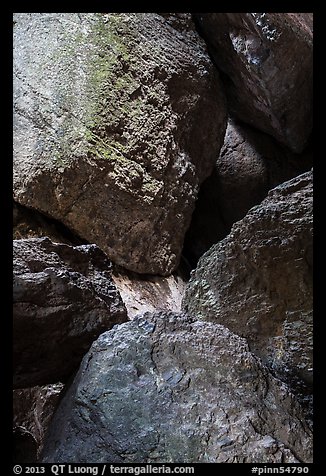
(267,60)
(64,298)
(33,409)
(118,118)
(165,388)
(250,164)
(258,282)
(141,293)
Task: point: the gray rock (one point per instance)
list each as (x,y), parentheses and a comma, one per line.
(141,293)
(268,62)
(64,298)
(118,118)
(250,164)
(258,281)
(167,388)
(32,410)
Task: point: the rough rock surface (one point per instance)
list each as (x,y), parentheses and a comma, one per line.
(250,164)
(33,409)
(167,388)
(258,281)
(141,293)
(64,298)
(267,60)
(118,118)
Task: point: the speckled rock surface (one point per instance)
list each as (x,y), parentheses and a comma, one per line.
(33,409)
(250,164)
(64,298)
(268,63)
(117,120)
(258,281)
(167,388)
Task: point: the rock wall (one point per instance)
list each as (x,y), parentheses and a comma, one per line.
(121,145)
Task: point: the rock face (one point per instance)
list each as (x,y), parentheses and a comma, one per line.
(33,409)
(118,118)
(141,293)
(167,388)
(250,164)
(64,298)
(267,60)
(258,281)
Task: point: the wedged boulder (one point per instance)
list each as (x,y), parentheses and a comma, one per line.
(64,298)
(142,293)
(168,388)
(118,118)
(258,281)
(32,410)
(250,164)
(267,59)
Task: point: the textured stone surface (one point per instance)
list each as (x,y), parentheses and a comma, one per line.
(267,60)
(64,297)
(250,164)
(258,281)
(141,293)
(167,388)
(32,410)
(117,120)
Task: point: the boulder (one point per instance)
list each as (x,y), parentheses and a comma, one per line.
(258,282)
(64,298)
(267,59)
(32,410)
(167,388)
(118,118)
(250,164)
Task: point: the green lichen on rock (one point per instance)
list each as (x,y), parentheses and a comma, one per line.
(115,108)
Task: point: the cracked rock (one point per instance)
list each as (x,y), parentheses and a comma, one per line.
(166,388)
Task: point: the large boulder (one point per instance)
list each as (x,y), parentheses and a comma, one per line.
(250,164)
(267,59)
(258,281)
(166,388)
(64,298)
(32,411)
(118,118)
